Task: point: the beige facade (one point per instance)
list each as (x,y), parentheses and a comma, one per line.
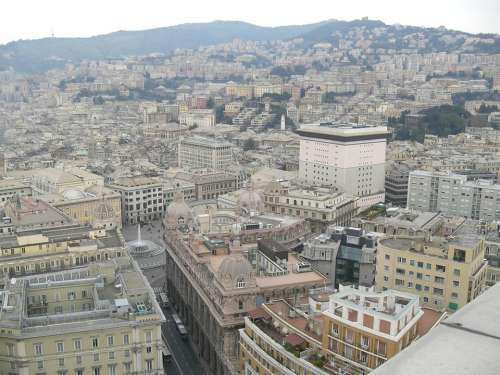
(446,274)
(320,206)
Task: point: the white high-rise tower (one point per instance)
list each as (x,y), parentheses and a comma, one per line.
(282,122)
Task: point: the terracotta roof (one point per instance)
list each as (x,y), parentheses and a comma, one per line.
(294,339)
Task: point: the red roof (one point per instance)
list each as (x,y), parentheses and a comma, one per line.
(258,313)
(294,339)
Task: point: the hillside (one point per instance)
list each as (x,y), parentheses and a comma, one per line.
(42,54)
(370,35)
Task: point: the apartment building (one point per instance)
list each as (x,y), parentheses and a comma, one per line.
(350,332)
(396,184)
(446,273)
(320,206)
(197,152)
(453,194)
(348,157)
(13,187)
(363,328)
(142,198)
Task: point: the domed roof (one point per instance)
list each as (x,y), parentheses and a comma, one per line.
(234,267)
(72,194)
(250,200)
(178,212)
(104,211)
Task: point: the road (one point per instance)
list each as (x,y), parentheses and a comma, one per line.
(184,360)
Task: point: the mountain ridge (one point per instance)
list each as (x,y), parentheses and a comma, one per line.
(38,55)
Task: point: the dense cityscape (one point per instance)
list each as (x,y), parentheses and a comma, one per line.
(320,201)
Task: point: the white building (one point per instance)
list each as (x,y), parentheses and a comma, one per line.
(197,152)
(349,157)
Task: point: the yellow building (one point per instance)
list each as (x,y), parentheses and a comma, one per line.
(446,273)
(350,332)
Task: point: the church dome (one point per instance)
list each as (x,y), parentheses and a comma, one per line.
(235,271)
(178,212)
(250,200)
(73,194)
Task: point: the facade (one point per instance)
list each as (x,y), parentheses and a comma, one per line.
(99,319)
(209,184)
(141,197)
(363,329)
(11,188)
(320,206)
(202,118)
(197,152)
(445,273)
(349,157)
(213,285)
(344,255)
(452,194)
(87,206)
(396,185)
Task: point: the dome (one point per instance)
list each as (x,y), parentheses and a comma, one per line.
(250,200)
(72,194)
(104,211)
(178,212)
(235,271)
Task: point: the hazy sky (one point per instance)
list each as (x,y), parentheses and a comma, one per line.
(29,19)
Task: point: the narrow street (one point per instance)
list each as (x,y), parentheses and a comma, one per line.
(184,360)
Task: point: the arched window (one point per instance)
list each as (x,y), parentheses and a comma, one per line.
(240,305)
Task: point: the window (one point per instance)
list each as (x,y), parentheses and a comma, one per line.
(420,264)
(240,283)
(438,291)
(78,359)
(78,345)
(125,339)
(456,283)
(349,336)
(240,304)
(400,271)
(364,342)
(401,260)
(60,347)
(386,278)
(96,371)
(111,340)
(126,353)
(412,262)
(61,362)
(39,364)
(454,295)
(127,366)
(149,336)
(456,272)
(400,282)
(149,365)
(111,369)
(96,357)
(440,268)
(335,330)
(439,280)
(387,257)
(381,348)
(38,349)
(10,349)
(111,355)
(148,349)
(95,342)
(79,372)
(363,357)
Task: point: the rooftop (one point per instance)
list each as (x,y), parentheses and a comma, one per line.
(472,332)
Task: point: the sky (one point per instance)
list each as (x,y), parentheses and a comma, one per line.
(32,19)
